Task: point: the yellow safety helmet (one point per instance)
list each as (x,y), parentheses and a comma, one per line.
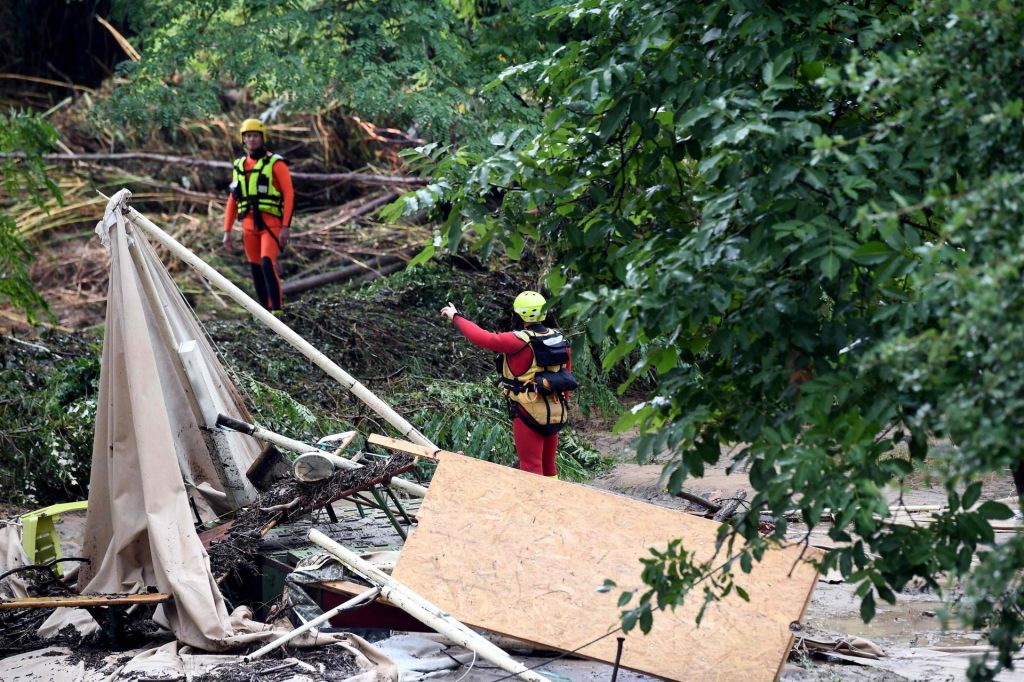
(528,305)
(252,125)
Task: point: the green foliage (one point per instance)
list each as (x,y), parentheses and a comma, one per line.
(28,137)
(412,64)
(595,395)
(803,224)
(48,408)
(473,418)
(278,411)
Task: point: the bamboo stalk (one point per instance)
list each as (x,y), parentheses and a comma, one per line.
(45,81)
(323,617)
(132,53)
(423,610)
(259,312)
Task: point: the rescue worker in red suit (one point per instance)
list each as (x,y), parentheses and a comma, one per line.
(536,418)
(261,192)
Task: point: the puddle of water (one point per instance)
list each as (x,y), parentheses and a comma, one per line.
(910,623)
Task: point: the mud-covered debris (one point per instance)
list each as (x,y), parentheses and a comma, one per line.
(322,663)
(239,548)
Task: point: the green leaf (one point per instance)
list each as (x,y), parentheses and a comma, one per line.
(422,257)
(555,281)
(872,253)
(646,619)
(629,620)
(994,511)
(830,265)
(711,35)
(971,495)
(867,607)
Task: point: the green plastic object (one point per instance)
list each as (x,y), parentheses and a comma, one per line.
(39,532)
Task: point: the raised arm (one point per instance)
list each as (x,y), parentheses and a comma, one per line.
(503,342)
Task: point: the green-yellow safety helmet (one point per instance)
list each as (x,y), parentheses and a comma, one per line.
(252,125)
(528,305)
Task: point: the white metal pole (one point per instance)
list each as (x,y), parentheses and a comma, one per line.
(323,617)
(424,611)
(259,312)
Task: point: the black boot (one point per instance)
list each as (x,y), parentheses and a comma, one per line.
(272,284)
(259,282)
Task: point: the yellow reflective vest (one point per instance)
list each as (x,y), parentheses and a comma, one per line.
(255,189)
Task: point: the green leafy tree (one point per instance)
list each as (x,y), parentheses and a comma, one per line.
(24,138)
(803,220)
(413,64)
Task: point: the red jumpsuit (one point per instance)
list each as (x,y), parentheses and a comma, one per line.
(536,452)
(261,246)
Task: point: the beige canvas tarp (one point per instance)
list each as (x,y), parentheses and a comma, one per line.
(12,555)
(139,529)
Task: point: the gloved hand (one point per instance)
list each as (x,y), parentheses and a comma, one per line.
(227,241)
(449,311)
(283,238)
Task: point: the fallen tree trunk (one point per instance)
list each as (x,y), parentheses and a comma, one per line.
(358,211)
(362,178)
(697,499)
(382,272)
(295,286)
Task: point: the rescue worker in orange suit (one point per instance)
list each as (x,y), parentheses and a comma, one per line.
(261,192)
(536,418)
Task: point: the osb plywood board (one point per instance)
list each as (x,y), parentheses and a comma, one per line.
(521,555)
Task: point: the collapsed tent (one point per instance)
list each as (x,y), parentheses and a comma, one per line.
(157,464)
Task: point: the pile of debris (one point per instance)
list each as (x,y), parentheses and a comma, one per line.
(183,505)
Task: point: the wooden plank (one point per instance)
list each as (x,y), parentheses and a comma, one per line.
(85,600)
(522,555)
(405,446)
(348,588)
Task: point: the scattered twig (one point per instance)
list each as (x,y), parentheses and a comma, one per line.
(30,345)
(281,507)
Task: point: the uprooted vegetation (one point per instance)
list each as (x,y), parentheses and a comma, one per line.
(289,499)
(181,181)
(388,334)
